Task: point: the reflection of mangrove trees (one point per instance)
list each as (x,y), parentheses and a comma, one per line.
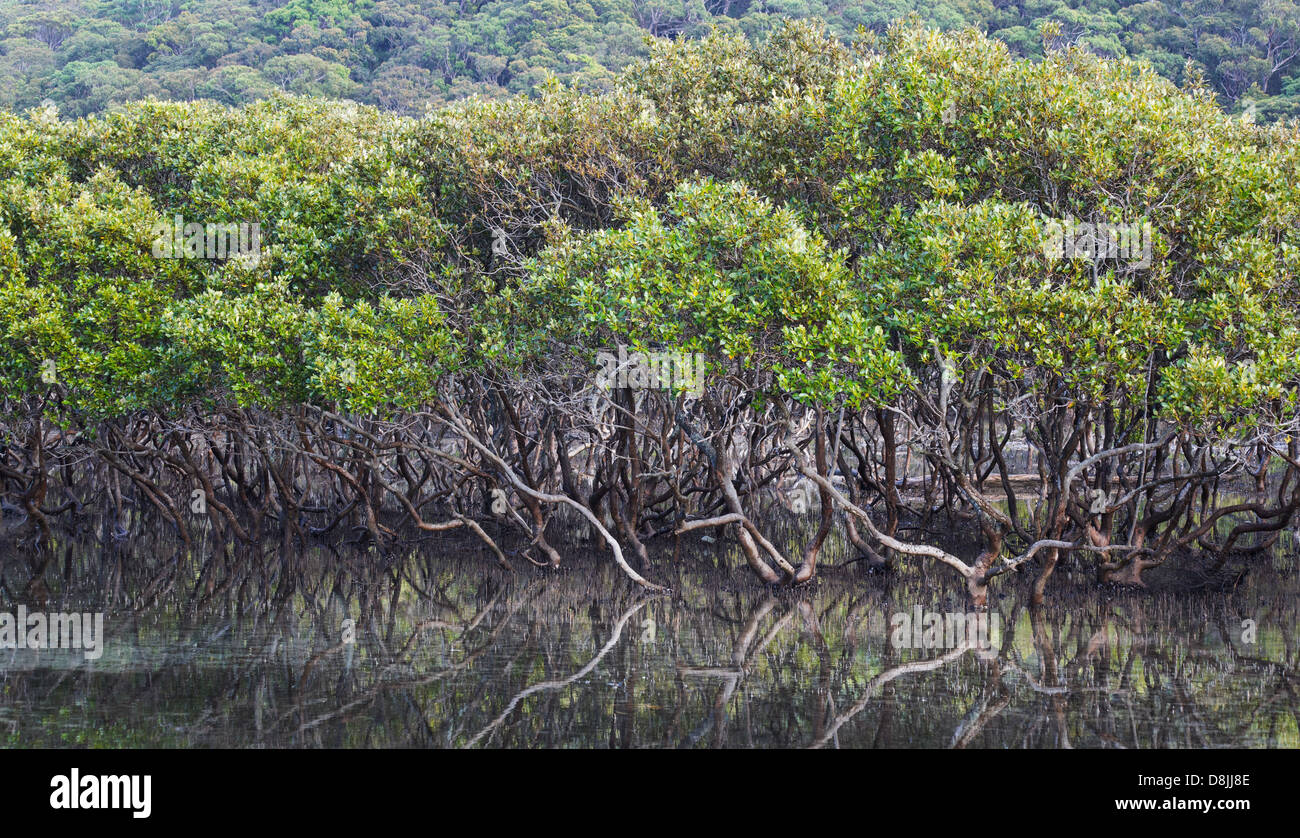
(850,242)
(449,654)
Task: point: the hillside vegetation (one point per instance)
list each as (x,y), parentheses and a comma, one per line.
(401,55)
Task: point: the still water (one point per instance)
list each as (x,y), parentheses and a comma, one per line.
(435,646)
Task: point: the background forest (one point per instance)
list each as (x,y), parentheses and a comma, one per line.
(400,55)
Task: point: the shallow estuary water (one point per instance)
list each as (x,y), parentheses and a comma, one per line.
(438,647)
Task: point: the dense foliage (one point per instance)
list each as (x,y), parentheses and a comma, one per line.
(856,242)
(87,55)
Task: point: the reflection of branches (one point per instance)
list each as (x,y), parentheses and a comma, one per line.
(973,724)
(1011,666)
(564,682)
(741,654)
(1050,676)
(884,678)
(389,685)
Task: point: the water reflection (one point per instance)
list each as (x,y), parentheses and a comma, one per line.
(425,649)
